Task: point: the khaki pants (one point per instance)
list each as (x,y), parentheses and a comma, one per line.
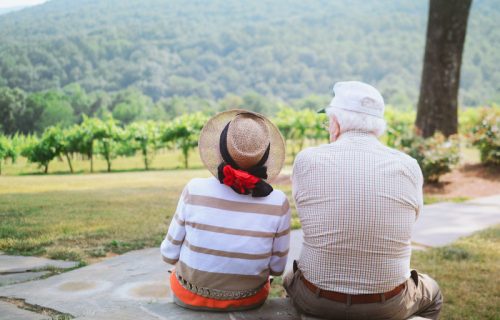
(421,297)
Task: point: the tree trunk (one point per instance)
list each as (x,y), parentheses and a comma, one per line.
(91,158)
(438,101)
(69,162)
(185,152)
(146,161)
(109,164)
(46,170)
(0,167)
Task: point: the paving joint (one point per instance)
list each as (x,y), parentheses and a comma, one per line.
(41,310)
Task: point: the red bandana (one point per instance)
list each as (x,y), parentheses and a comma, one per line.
(238,179)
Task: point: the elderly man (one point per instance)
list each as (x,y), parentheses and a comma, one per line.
(357,201)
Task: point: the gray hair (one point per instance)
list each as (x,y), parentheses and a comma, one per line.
(349,120)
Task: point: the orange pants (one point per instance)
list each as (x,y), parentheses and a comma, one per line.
(195,301)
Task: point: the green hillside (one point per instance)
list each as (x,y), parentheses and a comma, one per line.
(282,48)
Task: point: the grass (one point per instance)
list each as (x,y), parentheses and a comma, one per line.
(428,199)
(83,217)
(77,217)
(163,160)
(467,272)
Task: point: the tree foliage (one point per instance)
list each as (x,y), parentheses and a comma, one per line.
(183,133)
(284,48)
(45,149)
(7,150)
(144,137)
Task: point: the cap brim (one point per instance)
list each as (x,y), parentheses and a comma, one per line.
(208,144)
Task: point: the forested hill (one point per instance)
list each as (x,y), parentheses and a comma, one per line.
(283,48)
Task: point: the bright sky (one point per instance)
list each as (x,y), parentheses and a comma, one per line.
(19,3)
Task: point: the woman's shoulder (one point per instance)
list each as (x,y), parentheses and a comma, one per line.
(213,188)
(201,185)
(278,194)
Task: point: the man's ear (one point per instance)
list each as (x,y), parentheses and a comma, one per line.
(334,129)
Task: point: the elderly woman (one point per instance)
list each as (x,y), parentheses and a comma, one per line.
(230,232)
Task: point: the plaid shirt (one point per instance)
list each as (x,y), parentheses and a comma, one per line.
(357,201)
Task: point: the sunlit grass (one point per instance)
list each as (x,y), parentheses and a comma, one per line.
(163,159)
(82,215)
(90,215)
(467,272)
(428,199)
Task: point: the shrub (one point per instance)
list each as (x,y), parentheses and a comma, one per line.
(435,155)
(7,150)
(485,135)
(399,123)
(45,149)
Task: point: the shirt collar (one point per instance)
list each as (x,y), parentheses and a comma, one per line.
(357,135)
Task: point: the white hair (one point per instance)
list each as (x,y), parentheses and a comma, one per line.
(349,120)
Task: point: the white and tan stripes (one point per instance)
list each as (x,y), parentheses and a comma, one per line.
(236,206)
(217,235)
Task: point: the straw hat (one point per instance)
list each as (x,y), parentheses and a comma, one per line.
(248,137)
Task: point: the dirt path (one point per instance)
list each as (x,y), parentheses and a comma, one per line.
(468,181)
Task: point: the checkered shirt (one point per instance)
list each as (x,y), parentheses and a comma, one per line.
(357,201)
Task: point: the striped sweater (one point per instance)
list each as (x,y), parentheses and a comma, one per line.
(227,241)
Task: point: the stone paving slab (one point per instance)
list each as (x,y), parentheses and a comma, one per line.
(12,278)
(443,223)
(276,309)
(12,264)
(120,285)
(9,311)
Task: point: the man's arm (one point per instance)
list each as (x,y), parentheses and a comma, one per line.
(171,246)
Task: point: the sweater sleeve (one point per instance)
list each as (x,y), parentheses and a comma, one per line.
(171,245)
(281,243)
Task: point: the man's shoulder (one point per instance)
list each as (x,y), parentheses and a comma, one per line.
(405,161)
(311,152)
(403,157)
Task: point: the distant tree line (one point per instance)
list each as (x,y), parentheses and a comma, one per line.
(284,48)
(109,139)
(24,112)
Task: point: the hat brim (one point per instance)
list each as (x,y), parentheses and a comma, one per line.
(208,144)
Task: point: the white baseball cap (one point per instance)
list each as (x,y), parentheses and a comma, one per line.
(357,96)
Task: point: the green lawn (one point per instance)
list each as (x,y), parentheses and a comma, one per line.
(164,159)
(84,216)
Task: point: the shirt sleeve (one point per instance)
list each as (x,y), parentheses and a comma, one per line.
(296,173)
(171,246)
(281,243)
(420,193)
